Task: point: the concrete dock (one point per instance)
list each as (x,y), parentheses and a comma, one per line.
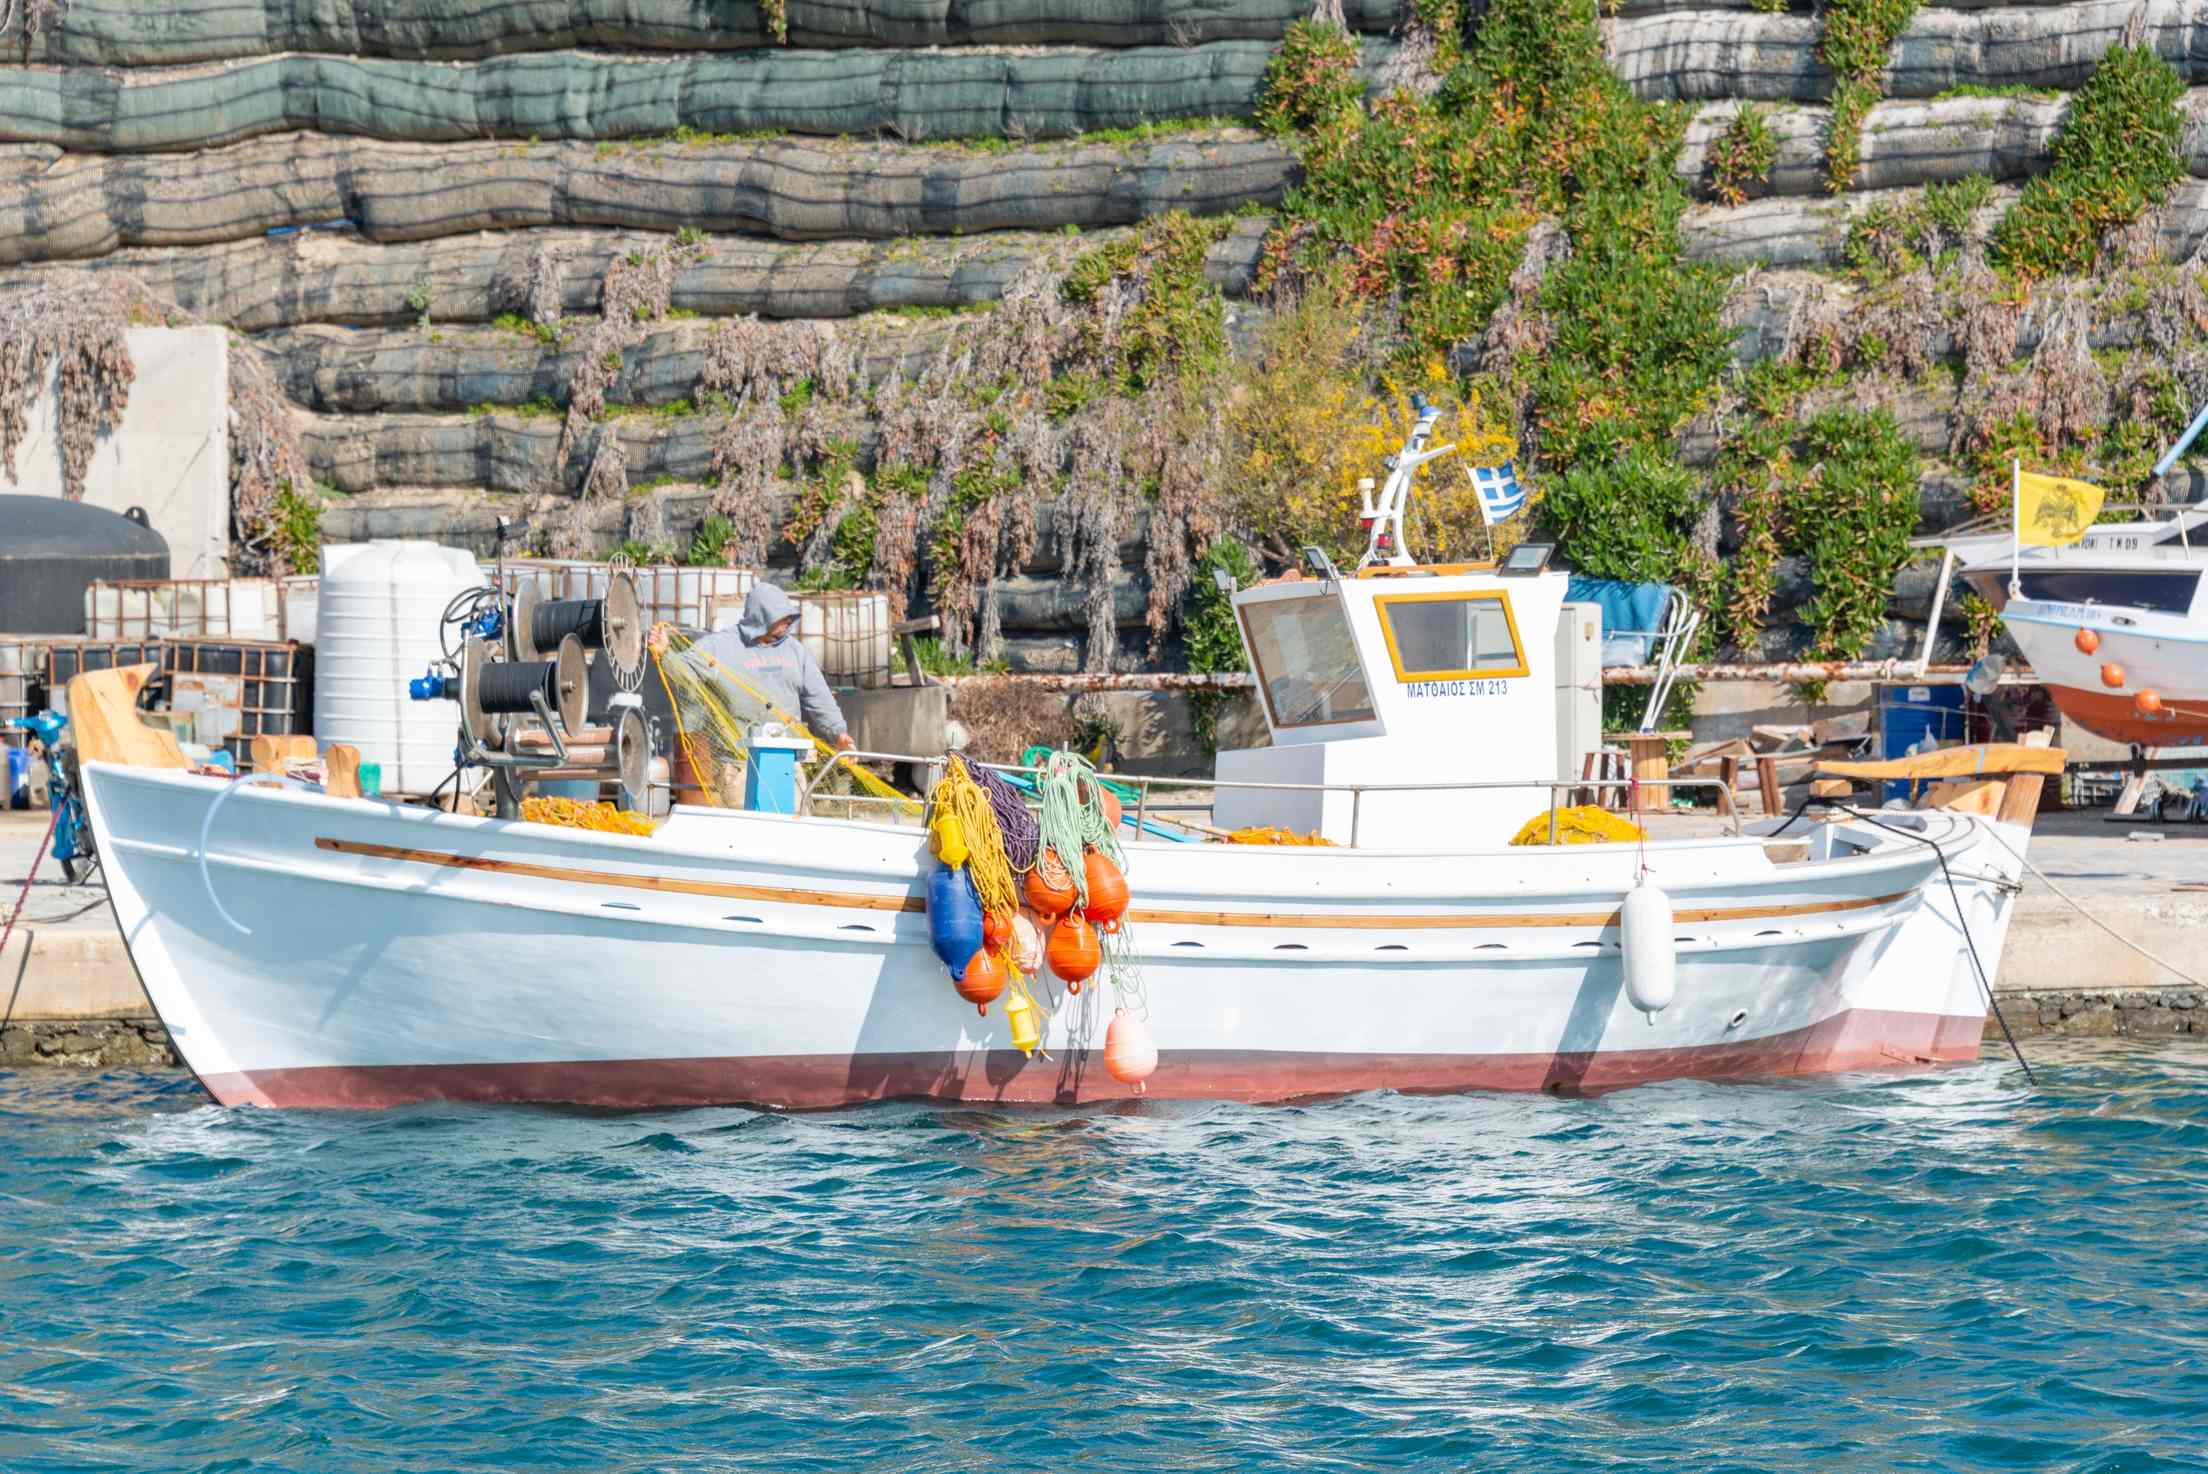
(68,995)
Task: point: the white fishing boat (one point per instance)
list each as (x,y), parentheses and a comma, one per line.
(2114,625)
(307,949)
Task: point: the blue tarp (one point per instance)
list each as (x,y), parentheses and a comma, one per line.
(1632,614)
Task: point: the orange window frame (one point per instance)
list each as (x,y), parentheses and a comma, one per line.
(1498,597)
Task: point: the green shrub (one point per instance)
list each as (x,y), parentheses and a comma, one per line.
(1209,632)
(1741,157)
(1311,80)
(1892,239)
(1854,511)
(2117,155)
(1854,41)
(1177,320)
(1629,519)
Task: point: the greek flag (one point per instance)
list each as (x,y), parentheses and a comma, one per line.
(1501,495)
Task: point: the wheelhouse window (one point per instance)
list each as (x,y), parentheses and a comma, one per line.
(1306,661)
(1435,637)
(2157,590)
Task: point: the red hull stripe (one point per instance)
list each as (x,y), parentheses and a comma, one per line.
(1342,921)
(1857,1040)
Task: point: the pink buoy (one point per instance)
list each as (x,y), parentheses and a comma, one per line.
(1026,945)
(1130,1054)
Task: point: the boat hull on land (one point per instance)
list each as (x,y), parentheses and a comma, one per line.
(396,954)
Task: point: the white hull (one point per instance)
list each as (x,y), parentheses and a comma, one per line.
(400,954)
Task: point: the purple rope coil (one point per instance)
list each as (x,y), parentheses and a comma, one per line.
(1023,832)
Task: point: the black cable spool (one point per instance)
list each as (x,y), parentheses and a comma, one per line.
(614,624)
(494,688)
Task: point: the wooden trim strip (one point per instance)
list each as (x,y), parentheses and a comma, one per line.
(1528,919)
(1281,920)
(726,890)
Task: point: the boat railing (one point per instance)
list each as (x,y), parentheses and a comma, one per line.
(1556,789)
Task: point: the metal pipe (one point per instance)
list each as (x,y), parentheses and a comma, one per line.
(2184,441)
(1830,670)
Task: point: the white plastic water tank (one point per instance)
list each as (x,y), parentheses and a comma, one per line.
(376,629)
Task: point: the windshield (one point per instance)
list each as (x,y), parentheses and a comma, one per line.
(1307,661)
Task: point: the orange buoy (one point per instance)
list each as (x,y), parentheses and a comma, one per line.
(1107,890)
(2112,676)
(996,929)
(1074,952)
(982,981)
(1130,1054)
(2148,703)
(2087,642)
(1050,887)
(1111,807)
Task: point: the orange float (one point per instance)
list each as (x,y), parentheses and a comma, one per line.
(1050,887)
(2087,642)
(1107,890)
(2112,676)
(983,980)
(2147,703)
(1111,807)
(1130,1054)
(1074,952)
(996,929)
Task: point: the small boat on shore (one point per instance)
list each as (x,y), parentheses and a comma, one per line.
(2114,625)
(309,949)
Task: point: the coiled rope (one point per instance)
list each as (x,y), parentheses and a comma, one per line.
(963,799)
(1023,835)
(1073,816)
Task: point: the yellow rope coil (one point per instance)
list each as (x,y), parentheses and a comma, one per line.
(960,799)
(575,814)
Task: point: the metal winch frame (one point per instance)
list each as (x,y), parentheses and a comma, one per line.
(522,679)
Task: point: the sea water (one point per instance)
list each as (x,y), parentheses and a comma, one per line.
(1942,1271)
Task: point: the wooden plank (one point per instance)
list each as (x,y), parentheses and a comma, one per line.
(1967,795)
(1979,760)
(2021,801)
(341,769)
(104,725)
(271,752)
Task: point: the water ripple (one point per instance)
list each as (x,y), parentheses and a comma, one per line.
(1936,1272)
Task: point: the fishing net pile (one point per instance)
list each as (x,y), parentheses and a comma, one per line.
(715,709)
(1012,869)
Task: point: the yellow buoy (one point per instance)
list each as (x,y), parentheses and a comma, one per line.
(1027,1029)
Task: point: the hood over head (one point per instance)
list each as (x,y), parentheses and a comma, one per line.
(764,606)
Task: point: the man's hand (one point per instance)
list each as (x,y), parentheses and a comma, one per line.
(658,640)
(845,744)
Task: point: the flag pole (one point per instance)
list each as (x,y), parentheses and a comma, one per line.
(2016,525)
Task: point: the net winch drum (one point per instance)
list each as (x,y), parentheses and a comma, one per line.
(632,754)
(491,688)
(614,624)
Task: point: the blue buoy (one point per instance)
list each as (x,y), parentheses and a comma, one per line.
(954,918)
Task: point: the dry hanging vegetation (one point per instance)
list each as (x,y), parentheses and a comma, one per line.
(76,335)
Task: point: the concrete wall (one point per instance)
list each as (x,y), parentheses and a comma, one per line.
(171,455)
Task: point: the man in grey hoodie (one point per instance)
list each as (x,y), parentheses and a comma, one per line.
(761,650)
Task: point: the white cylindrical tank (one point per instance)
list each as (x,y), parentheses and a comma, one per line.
(377,627)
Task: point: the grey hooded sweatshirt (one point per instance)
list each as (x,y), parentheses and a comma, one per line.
(785,672)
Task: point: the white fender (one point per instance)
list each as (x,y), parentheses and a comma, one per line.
(1651,958)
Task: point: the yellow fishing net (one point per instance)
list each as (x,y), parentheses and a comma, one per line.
(714,707)
(575,814)
(964,831)
(1585,824)
(1268,834)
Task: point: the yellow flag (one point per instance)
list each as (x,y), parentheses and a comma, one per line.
(2053,511)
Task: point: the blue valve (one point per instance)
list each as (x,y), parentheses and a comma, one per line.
(488,624)
(432,687)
